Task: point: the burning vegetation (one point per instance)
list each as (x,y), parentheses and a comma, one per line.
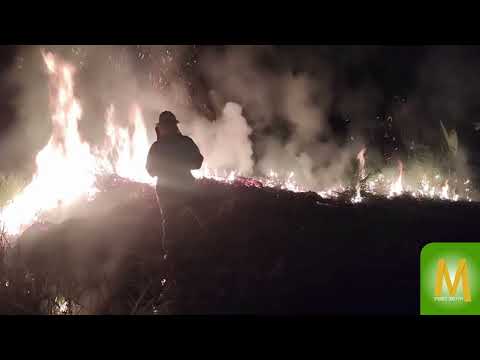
(67,167)
(91,207)
(244,249)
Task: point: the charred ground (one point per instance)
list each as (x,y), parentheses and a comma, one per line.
(242,250)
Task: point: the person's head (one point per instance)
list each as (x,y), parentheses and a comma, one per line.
(167,124)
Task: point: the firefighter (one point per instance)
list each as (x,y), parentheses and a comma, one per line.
(170,159)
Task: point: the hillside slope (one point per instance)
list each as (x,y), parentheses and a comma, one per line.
(245,250)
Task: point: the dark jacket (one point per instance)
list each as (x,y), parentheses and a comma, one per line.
(171,158)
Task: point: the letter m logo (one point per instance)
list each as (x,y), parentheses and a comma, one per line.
(442,273)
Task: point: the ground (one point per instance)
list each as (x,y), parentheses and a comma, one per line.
(242,250)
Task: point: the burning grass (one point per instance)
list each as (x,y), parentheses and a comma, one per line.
(86,241)
(67,167)
(247,249)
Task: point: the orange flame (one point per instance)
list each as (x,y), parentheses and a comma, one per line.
(65,166)
(397,187)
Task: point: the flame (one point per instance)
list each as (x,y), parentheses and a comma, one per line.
(444,194)
(66,168)
(49,61)
(361,175)
(358,197)
(361,163)
(125,154)
(397,187)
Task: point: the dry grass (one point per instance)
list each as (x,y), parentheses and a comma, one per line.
(250,250)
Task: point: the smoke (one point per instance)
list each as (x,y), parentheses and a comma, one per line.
(224,143)
(310,150)
(445,90)
(287,108)
(249,108)
(252,109)
(28,128)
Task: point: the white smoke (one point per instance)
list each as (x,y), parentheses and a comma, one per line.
(288,113)
(224,143)
(266,118)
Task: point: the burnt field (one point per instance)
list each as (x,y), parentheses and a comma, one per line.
(242,250)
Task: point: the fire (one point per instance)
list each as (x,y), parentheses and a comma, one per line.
(444,194)
(361,163)
(361,175)
(397,187)
(125,154)
(214,174)
(67,167)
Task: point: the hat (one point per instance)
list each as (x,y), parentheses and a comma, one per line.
(167,118)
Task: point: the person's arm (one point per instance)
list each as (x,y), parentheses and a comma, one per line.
(195,158)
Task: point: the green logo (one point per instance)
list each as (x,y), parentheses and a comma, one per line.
(450,279)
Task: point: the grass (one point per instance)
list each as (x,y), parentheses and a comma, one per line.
(244,250)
